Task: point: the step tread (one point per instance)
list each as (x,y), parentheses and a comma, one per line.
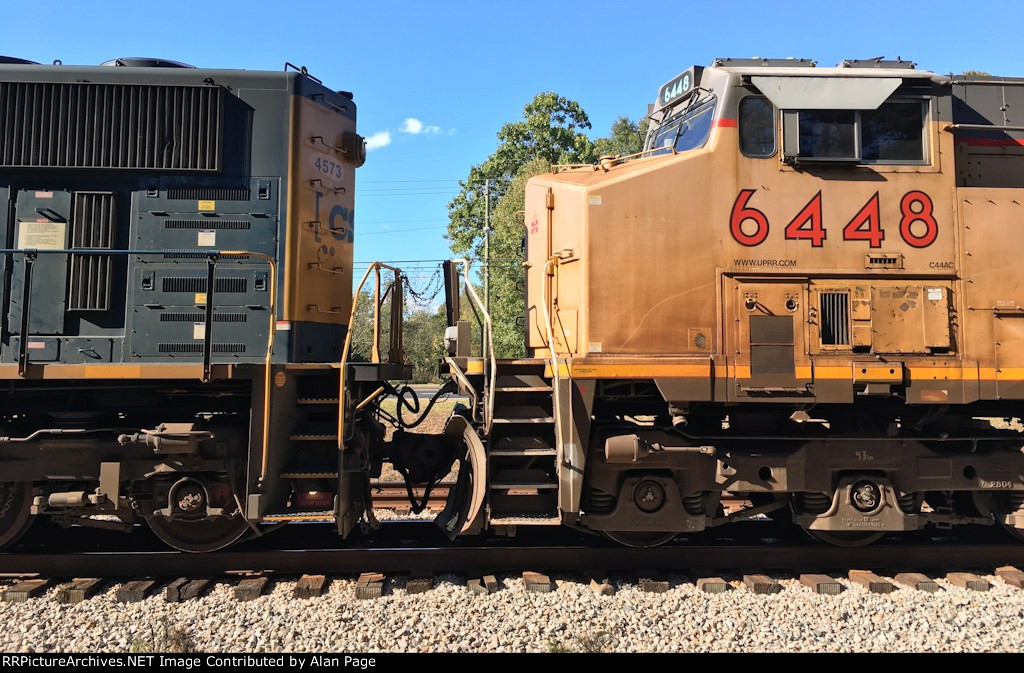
(311,437)
(317,400)
(529,419)
(522,389)
(525,520)
(528,453)
(522,483)
(308,475)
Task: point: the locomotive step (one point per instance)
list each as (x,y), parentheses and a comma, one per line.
(522,414)
(525,520)
(522,452)
(522,478)
(523,389)
(524,484)
(314,438)
(521,383)
(308,475)
(317,400)
(530,447)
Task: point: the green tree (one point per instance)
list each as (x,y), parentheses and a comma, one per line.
(627,137)
(550,132)
(423,339)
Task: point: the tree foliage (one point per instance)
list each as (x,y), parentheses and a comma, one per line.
(422,336)
(627,137)
(550,132)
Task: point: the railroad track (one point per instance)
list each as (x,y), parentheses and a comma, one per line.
(407,546)
(410,553)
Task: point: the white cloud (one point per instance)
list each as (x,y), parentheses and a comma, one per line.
(378,140)
(415,127)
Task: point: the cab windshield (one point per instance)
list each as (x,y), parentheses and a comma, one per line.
(685,130)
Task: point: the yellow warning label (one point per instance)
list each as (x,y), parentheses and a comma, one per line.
(207,205)
(200,297)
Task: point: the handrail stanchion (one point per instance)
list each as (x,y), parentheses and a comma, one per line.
(26,306)
(211,268)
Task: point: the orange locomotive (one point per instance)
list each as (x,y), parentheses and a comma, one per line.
(803,293)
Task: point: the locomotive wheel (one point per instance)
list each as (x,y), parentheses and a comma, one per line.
(846,538)
(15,511)
(201,535)
(640,538)
(999,505)
(190,530)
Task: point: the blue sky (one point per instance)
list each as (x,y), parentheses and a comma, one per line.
(461,69)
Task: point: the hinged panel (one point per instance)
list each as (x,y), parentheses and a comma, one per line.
(910,319)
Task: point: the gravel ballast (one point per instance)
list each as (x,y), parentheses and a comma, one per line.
(571,618)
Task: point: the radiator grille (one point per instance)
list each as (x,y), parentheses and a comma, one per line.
(197,347)
(208,223)
(85,125)
(210,193)
(198,284)
(197,317)
(93,221)
(835,319)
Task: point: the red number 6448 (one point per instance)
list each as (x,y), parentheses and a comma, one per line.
(918,228)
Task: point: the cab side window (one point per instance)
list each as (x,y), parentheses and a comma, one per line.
(757,127)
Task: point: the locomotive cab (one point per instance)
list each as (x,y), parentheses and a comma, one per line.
(812,257)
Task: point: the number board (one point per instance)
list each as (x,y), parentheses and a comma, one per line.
(680,87)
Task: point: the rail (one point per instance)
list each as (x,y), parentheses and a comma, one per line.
(607,163)
(395,350)
(487,345)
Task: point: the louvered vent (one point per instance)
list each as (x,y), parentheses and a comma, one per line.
(93,221)
(198,284)
(85,125)
(196,317)
(197,347)
(835,319)
(208,223)
(199,255)
(210,193)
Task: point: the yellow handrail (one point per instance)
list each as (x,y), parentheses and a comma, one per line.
(271,332)
(375,268)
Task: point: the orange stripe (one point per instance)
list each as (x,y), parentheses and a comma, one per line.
(728,123)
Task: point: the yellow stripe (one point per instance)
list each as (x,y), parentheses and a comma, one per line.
(646,371)
(851,372)
(115,371)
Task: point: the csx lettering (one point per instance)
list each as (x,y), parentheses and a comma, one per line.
(918,226)
(340,222)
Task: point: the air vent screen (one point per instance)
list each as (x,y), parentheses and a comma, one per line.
(197,317)
(93,220)
(207,223)
(210,193)
(197,347)
(835,319)
(881,260)
(198,284)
